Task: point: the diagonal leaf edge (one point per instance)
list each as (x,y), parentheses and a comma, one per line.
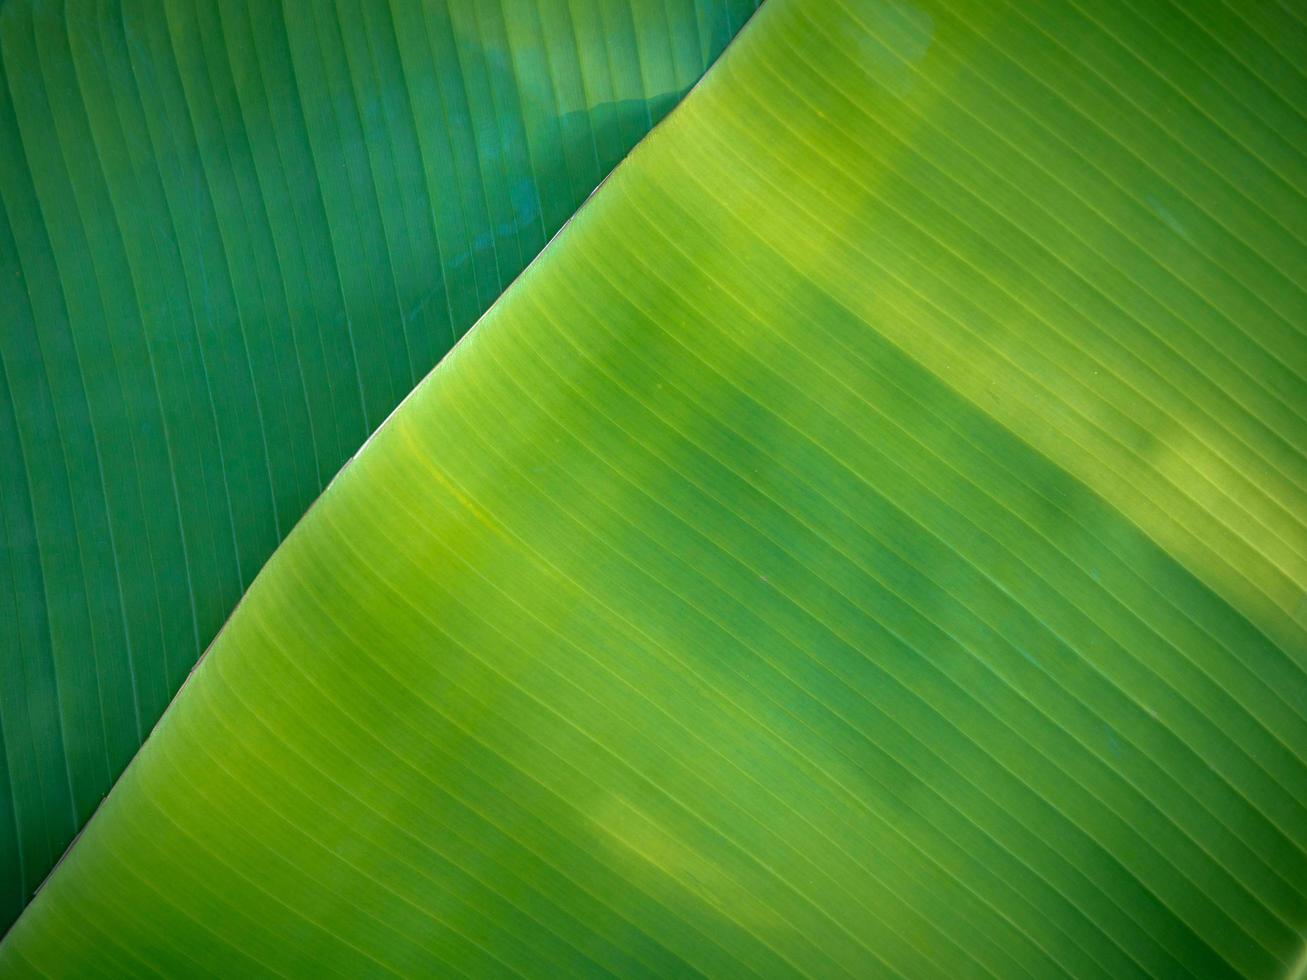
(231,237)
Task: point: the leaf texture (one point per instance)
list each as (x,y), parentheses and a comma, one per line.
(233,235)
(869,541)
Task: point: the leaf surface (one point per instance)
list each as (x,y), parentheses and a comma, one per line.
(868,541)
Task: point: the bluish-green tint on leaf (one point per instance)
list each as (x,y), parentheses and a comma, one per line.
(869,542)
(233,235)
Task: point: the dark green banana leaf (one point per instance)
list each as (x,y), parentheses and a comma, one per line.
(233,235)
(869,541)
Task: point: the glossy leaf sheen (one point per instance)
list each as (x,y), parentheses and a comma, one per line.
(869,540)
(232,236)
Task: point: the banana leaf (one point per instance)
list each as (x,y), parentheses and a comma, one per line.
(869,540)
(233,235)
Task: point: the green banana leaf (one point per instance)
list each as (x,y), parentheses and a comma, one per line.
(233,235)
(868,541)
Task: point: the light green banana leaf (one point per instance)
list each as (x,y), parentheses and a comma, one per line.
(233,235)
(868,541)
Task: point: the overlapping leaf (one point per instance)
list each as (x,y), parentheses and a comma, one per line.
(869,541)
